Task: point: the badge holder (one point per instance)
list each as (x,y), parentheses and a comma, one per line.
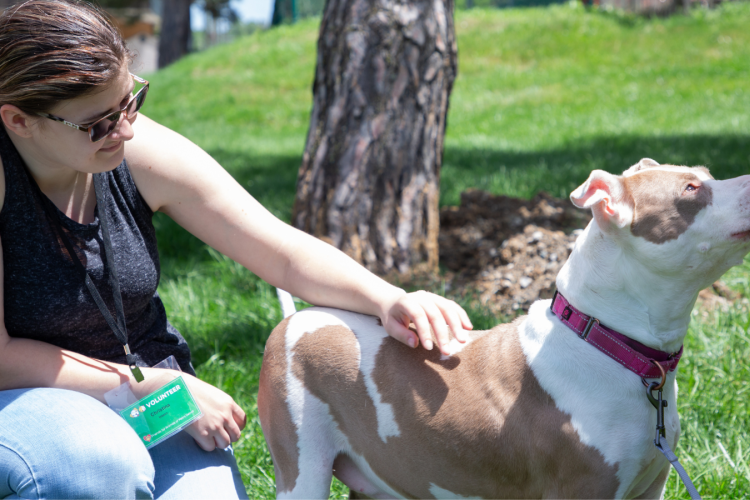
(161,414)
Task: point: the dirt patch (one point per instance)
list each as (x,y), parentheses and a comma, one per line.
(506,252)
(717,296)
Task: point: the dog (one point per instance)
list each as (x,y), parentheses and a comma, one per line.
(552,405)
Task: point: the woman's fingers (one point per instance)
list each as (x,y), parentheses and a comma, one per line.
(222,421)
(216,434)
(202,437)
(453,319)
(235,425)
(221,438)
(436,321)
(398,331)
(421,321)
(431,315)
(240,418)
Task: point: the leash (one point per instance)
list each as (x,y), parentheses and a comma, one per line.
(636,357)
(660,440)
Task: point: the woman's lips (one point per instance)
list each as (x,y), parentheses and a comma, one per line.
(112,149)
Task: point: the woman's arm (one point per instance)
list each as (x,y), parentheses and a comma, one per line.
(178,178)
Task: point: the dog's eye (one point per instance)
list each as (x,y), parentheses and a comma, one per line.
(691,188)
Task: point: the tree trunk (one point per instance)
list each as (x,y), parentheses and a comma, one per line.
(174,39)
(369,179)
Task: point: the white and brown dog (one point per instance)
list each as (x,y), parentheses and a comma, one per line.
(528,409)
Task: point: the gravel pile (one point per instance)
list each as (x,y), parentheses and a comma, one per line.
(506,252)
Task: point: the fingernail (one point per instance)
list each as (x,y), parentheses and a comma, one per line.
(412,342)
(428,344)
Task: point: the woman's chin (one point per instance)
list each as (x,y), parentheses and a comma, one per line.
(109,161)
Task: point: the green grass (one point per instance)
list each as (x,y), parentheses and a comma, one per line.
(543,97)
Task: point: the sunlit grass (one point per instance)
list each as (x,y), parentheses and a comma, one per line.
(543,97)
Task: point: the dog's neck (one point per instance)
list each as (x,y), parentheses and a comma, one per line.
(601,279)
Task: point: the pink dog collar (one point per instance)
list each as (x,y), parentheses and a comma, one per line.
(633,355)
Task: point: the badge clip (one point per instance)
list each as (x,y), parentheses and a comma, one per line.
(137,374)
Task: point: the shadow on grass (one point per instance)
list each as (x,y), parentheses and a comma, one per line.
(235,341)
(559,171)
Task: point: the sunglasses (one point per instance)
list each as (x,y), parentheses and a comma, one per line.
(104,126)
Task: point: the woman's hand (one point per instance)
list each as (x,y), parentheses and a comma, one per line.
(222,419)
(425,310)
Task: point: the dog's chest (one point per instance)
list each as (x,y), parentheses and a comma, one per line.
(606,402)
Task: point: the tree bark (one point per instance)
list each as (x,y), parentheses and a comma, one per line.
(369,179)
(174,39)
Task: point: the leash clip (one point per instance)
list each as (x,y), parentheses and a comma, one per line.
(660,439)
(658,402)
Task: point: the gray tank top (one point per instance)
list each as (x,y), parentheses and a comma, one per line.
(45,295)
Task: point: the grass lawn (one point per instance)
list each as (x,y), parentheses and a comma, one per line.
(543,97)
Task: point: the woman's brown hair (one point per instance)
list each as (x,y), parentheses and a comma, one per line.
(55,50)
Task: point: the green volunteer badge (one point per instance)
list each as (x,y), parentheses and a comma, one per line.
(162,413)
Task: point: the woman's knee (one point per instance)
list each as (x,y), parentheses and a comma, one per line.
(64,444)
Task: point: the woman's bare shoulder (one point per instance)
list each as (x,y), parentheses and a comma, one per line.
(168,167)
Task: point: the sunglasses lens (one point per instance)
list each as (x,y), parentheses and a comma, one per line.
(136,103)
(102,129)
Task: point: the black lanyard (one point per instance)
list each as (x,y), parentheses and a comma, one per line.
(118,326)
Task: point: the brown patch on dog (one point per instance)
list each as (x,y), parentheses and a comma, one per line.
(275,418)
(663,210)
(496,433)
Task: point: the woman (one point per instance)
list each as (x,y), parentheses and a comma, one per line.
(68,107)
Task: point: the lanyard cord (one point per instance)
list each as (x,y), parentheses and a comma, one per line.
(118,326)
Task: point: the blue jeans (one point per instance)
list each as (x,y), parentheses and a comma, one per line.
(63,444)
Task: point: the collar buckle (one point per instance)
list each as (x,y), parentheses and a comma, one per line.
(589,327)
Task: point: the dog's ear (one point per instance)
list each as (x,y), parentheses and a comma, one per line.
(642,165)
(607,198)
(645,163)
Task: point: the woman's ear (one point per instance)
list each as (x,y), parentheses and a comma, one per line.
(15,120)
(605,195)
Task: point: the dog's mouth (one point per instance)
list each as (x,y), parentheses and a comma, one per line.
(742,235)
